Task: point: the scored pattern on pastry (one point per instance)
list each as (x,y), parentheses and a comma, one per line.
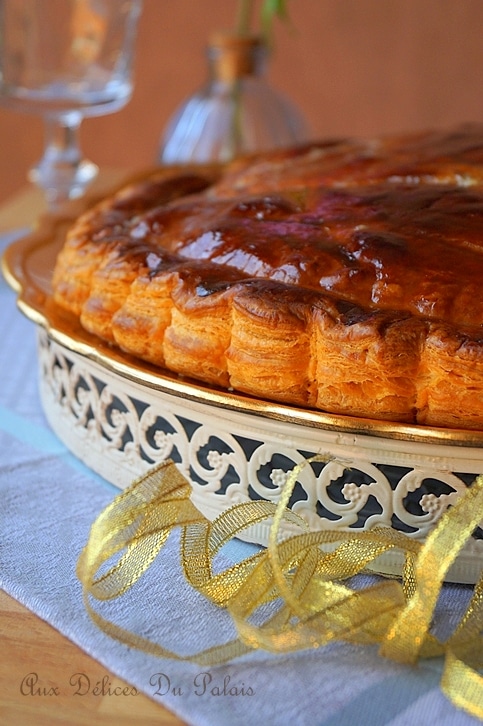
(343,276)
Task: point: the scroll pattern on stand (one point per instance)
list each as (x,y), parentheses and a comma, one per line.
(120,432)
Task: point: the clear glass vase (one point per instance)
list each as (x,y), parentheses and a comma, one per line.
(236,112)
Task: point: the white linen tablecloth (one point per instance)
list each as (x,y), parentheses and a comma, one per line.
(48,502)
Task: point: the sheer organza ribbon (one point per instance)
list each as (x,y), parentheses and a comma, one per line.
(305,578)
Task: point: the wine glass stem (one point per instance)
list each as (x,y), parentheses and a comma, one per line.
(62,172)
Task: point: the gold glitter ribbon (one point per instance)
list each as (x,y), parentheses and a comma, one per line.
(302,578)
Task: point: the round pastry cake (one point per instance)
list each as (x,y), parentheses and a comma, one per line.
(342,276)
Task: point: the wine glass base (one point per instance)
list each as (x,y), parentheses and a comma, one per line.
(63,181)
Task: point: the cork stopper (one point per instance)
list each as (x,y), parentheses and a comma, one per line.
(232,56)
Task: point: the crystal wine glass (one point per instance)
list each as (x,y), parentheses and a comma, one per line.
(65,60)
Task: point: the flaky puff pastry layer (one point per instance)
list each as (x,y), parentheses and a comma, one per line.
(342,276)
(302,349)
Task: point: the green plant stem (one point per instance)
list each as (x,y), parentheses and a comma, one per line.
(269,10)
(244,17)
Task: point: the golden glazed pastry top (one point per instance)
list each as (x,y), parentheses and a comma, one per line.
(342,275)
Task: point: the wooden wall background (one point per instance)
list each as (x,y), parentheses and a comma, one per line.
(355,67)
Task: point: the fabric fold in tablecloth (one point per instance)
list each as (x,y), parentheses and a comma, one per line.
(48,503)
